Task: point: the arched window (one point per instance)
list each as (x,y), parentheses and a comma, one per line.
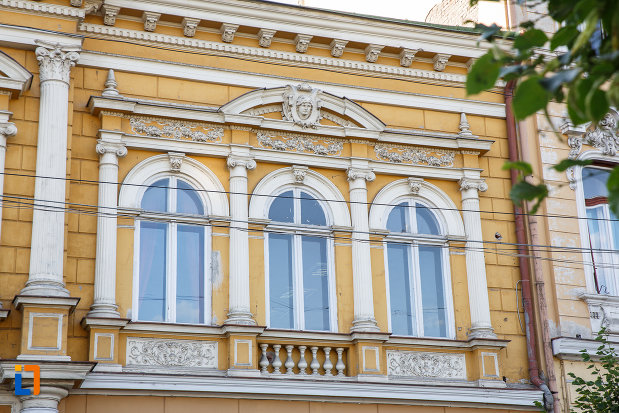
(417,263)
(603,229)
(172,278)
(300,286)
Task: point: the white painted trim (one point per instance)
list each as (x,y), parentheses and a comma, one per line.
(377,358)
(236,352)
(332,390)
(8,399)
(148,66)
(449,217)
(60,318)
(112,344)
(483,364)
(315,183)
(210,189)
(25,37)
(569,348)
(42,8)
(18,79)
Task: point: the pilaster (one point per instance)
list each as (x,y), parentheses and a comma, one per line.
(481,325)
(361,262)
(7,129)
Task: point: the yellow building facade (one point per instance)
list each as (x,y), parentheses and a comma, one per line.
(241,205)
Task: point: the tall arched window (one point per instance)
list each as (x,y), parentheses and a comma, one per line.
(417,263)
(299,272)
(172,281)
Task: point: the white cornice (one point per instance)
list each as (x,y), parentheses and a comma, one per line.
(36,7)
(569,348)
(341,391)
(25,37)
(272,55)
(314,22)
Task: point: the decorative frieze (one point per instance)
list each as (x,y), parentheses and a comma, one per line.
(300,143)
(155,352)
(440,61)
(301,105)
(415,155)
(265,37)
(173,129)
(337,47)
(603,137)
(419,364)
(189,26)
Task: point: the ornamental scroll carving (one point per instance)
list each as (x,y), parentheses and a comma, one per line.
(172,129)
(171,353)
(415,156)
(300,143)
(421,364)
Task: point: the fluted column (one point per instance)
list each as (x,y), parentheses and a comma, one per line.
(104,304)
(361,262)
(481,325)
(239,311)
(47,247)
(44,402)
(7,129)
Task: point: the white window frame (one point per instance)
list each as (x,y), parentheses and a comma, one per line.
(414,241)
(613,259)
(298,230)
(172,220)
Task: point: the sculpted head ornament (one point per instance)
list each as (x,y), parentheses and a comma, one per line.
(301,105)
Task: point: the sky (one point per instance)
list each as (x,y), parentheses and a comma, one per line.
(402,9)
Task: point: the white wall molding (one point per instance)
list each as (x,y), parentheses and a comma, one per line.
(42,8)
(422,364)
(341,391)
(16,79)
(263,80)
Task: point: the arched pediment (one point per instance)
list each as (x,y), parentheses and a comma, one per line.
(305,106)
(13,76)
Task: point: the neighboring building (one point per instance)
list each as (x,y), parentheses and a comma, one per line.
(461,13)
(236,205)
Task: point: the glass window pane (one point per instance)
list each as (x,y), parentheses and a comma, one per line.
(156,196)
(187,200)
(594,182)
(399,289)
(152,291)
(426,221)
(432,292)
(190,274)
(315,283)
(282,208)
(397,218)
(597,238)
(311,211)
(280,281)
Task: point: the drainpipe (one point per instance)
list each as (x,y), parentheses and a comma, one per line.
(523,261)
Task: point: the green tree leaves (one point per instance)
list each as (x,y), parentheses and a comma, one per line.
(484,74)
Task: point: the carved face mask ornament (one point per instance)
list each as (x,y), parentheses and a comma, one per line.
(301,105)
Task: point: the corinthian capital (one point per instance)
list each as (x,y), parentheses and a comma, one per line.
(117,148)
(234,161)
(471,183)
(356,173)
(55,60)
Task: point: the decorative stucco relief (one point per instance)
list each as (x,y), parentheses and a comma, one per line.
(300,143)
(172,129)
(426,365)
(301,105)
(171,353)
(415,156)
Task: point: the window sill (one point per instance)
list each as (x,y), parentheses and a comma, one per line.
(446,343)
(608,306)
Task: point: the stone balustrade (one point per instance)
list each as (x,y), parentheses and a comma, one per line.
(300,360)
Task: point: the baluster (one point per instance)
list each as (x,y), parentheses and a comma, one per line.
(328,365)
(340,366)
(264,360)
(277,363)
(289,364)
(314,364)
(302,362)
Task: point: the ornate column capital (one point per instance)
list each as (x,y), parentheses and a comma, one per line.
(55,60)
(473,183)
(7,130)
(117,148)
(358,173)
(235,160)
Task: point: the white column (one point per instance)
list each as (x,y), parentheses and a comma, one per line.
(44,402)
(481,325)
(47,246)
(239,311)
(6,129)
(104,304)
(361,262)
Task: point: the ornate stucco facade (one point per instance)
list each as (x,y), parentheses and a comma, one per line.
(229,108)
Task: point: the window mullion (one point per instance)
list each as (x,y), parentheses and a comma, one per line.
(415,282)
(298,282)
(614,256)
